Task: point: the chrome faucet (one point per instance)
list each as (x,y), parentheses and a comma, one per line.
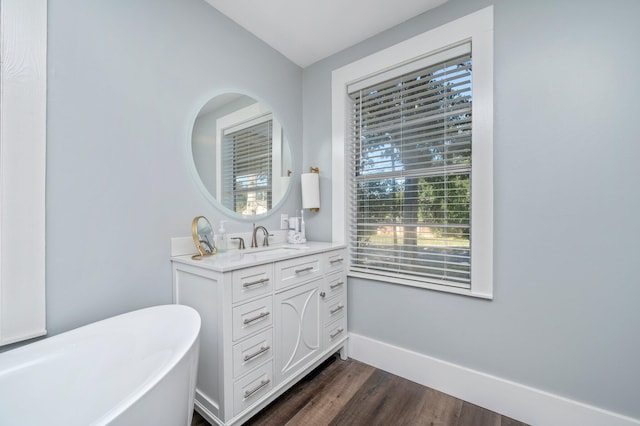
(240,242)
(254,242)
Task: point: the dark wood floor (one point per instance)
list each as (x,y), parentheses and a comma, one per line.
(352,393)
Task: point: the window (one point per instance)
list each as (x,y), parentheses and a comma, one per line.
(413,132)
(410,173)
(246,167)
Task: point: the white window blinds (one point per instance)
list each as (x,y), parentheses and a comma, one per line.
(246,164)
(411,166)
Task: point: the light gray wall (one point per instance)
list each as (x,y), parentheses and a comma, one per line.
(125,82)
(565,314)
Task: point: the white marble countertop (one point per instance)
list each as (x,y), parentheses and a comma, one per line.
(237,259)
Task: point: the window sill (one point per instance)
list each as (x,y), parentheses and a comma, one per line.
(425,285)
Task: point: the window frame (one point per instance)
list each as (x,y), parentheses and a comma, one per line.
(476,27)
(23,116)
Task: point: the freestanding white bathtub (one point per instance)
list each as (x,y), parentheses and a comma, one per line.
(137,368)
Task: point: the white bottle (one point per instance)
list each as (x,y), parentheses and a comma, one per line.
(221,238)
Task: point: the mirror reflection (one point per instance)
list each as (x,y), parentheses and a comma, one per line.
(241,154)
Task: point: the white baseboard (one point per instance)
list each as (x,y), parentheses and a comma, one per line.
(511,399)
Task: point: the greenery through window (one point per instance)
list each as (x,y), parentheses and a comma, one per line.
(411,174)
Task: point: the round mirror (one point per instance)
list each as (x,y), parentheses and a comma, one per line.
(241,154)
(202,233)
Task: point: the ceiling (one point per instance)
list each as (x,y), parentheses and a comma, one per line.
(306,31)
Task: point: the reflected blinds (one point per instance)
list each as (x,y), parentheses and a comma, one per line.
(246,164)
(411,171)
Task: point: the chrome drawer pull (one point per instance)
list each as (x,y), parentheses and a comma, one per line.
(260,351)
(308,268)
(340,259)
(262,384)
(338,284)
(252,283)
(250,320)
(334,310)
(338,331)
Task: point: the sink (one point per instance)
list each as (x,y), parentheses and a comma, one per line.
(274,251)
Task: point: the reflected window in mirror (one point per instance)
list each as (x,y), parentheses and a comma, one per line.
(246,169)
(249,161)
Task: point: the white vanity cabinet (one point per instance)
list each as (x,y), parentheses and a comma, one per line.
(266,322)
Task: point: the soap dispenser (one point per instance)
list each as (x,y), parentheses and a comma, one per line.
(221,238)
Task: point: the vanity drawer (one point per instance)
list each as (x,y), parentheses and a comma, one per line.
(252,387)
(252,352)
(335,332)
(334,308)
(252,282)
(335,285)
(297,270)
(251,317)
(335,261)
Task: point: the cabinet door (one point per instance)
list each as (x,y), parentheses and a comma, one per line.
(297,328)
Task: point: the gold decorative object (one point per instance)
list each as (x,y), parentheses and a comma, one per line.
(202,233)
